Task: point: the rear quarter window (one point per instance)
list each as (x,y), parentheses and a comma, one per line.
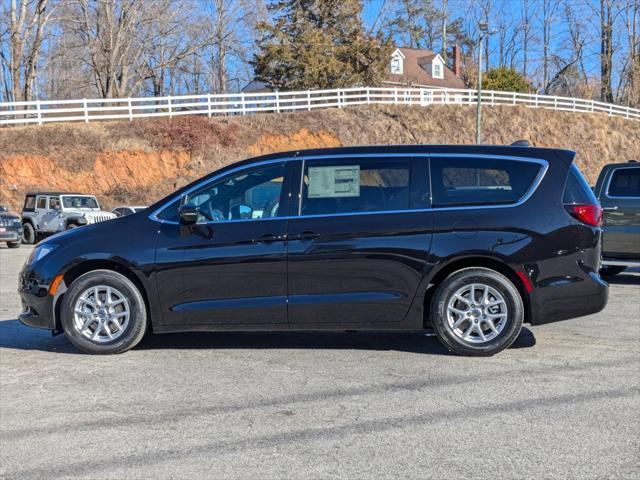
(577,190)
(480,181)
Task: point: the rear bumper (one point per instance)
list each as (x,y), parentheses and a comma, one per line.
(621,262)
(568,297)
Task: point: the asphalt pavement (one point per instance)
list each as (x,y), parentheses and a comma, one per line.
(563,402)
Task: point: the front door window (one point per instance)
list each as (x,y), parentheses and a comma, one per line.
(250,195)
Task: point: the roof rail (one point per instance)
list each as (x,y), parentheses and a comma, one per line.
(521,143)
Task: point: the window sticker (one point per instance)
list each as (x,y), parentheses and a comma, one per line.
(334,181)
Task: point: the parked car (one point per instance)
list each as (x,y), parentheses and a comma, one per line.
(51,212)
(125,210)
(618,190)
(471,241)
(10,228)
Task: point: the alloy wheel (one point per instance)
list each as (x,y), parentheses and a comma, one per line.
(477,313)
(101,313)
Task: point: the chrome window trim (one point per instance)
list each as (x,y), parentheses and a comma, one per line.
(613,171)
(534,185)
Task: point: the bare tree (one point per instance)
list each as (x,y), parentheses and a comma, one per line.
(26,32)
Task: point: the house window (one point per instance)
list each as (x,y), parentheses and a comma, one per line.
(396,65)
(436,71)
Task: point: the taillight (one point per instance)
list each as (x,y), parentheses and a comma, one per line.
(588,214)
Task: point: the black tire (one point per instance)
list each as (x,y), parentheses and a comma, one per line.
(28,233)
(611,270)
(477,275)
(132,333)
(14,244)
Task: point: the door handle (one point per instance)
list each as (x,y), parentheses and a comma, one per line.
(307,235)
(268,238)
(609,208)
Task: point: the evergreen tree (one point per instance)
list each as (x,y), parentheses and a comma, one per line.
(507,79)
(319,44)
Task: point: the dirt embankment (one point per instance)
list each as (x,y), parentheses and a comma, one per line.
(141,161)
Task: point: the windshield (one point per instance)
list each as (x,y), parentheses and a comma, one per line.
(139,209)
(80,202)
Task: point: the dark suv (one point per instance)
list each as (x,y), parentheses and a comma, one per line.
(470,241)
(618,189)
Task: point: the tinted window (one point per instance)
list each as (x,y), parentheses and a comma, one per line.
(42,202)
(577,190)
(625,182)
(252,194)
(54,202)
(355,185)
(30,203)
(480,181)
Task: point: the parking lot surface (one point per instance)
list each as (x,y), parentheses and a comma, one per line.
(563,402)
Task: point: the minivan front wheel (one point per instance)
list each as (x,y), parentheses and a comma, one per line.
(103,312)
(477,311)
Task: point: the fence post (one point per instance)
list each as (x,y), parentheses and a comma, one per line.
(536,100)
(169,103)
(86,112)
(130,109)
(592,106)
(244,108)
(555,103)
(514,98)
(277,102)
(574,104)
(209,105)
(38,112)
(395,95)
(492,99)
(610,109)
(308,100)
(368,96)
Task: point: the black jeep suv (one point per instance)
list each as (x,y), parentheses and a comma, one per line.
(470,241)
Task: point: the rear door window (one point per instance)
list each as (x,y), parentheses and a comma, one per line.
(469,181)
(355,185)
(42,202)
(625,182)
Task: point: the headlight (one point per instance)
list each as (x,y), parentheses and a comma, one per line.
(40,252)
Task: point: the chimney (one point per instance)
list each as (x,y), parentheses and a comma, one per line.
(456,60)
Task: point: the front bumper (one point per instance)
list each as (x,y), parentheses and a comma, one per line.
(37,304)
(10,235)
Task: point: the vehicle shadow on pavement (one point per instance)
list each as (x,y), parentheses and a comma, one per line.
(626,278)
(14,335)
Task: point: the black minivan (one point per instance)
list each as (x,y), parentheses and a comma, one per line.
(470,241)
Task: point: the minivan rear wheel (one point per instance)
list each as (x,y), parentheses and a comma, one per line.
(103,312)
(477,311)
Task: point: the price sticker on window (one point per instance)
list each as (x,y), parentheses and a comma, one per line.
(334,181)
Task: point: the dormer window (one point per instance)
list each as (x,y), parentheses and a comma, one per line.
(436,69)
(397,62)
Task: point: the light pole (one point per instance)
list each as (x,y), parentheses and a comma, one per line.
(484,31)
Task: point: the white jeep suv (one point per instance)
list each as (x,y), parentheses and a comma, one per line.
(50,212)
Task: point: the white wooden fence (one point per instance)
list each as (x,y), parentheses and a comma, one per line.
(87,110)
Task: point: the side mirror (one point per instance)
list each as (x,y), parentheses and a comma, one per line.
(188,213)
